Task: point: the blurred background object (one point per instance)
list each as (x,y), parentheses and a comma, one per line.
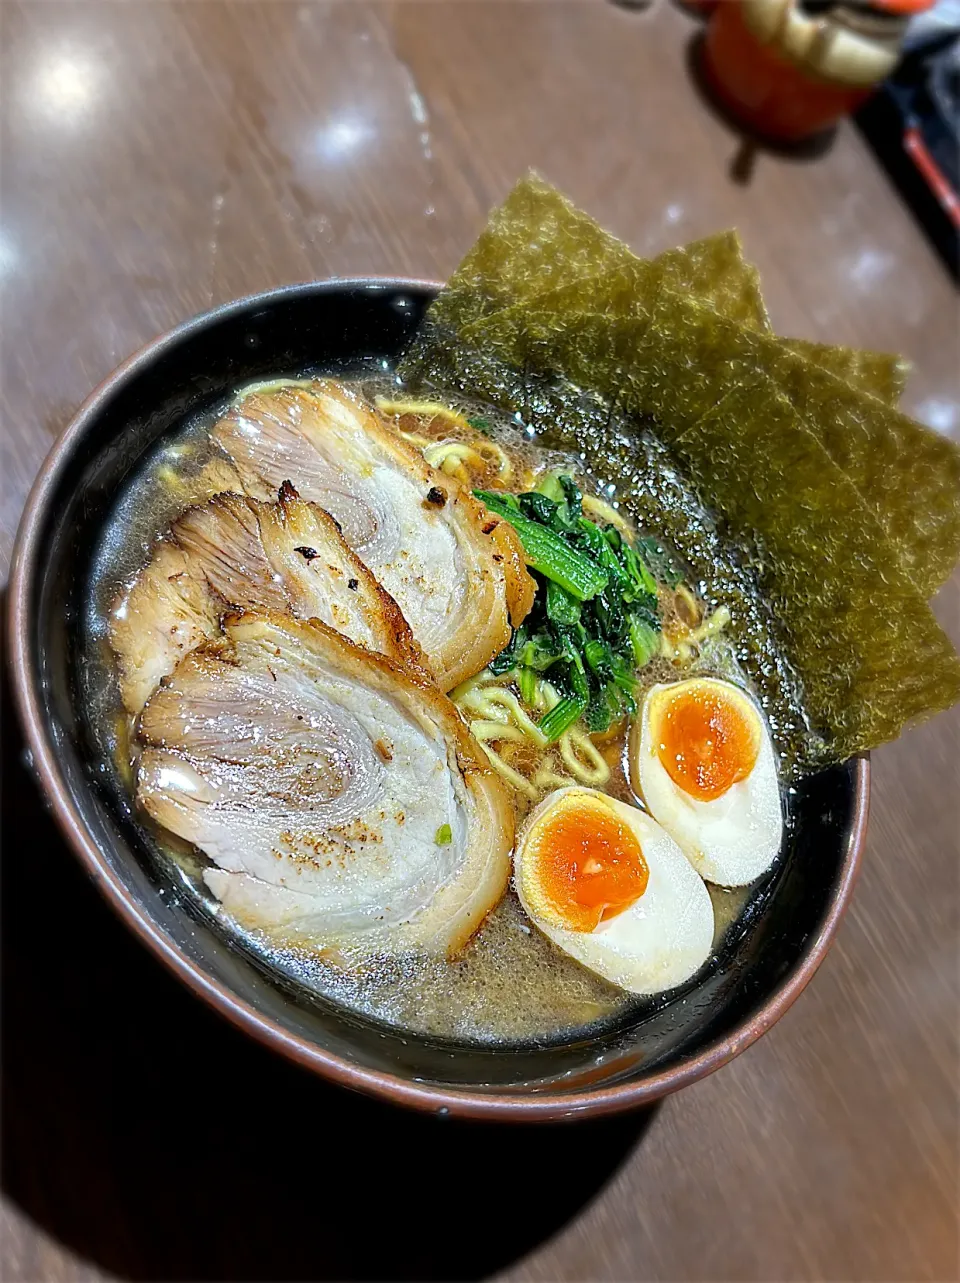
(789,69)
(786,72)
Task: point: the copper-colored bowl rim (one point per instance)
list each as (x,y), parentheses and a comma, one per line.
(463,1102)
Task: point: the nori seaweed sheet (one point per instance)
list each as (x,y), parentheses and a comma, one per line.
(908,475)
(848,600)
(872,655)
(879,374)
(537,240)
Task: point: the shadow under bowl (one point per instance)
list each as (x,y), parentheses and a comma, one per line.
(345,326)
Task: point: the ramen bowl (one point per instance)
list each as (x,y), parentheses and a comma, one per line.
(347,327)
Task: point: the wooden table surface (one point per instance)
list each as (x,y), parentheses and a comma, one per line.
(158,158)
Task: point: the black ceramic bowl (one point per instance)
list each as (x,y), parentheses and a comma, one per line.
(338,325)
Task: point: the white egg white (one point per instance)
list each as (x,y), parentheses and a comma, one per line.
(734,838)
(658,942)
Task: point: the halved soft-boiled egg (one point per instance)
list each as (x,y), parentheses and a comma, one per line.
(608,886)
(702,760)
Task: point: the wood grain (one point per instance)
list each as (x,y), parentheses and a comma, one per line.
(160,157)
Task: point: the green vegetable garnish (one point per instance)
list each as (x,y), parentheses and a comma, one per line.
(599,657)
(571,492)
(644,640)
(480,423)
(562,716)
(562,607)
(538,507)
(596,716)
(548,552)
(527,681)
(595,617)
(507,659)
(443,835)
(541,651)
(550,486)
(638,572)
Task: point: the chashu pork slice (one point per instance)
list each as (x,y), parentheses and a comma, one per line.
(238,552)
(456,571)
(340,798)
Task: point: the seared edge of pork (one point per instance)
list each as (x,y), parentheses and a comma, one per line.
(340,452)
(238,552)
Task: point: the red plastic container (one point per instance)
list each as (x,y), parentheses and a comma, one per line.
(787,74)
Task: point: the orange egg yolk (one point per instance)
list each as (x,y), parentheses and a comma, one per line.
(706,740)
(589,865)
